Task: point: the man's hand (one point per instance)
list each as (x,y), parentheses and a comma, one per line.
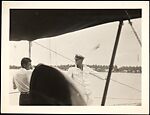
(14,85)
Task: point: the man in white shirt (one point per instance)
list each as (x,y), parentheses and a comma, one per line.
(22,80)
(80,78)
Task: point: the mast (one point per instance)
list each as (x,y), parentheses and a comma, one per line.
(50,52)
(30,43)
(111,63)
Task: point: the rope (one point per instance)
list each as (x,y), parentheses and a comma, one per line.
(90,73)
(133,28)
(138,104)
(54,52)
(126,85)
(97,76)
(119,83)
(119,98)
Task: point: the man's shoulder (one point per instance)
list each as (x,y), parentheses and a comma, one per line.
(21,71)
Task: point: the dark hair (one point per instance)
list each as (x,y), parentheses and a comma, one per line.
(79,57)
(25,61)
(48,86)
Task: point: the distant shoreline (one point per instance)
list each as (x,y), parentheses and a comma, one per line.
(98,68)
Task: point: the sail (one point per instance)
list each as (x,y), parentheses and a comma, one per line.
(31,24)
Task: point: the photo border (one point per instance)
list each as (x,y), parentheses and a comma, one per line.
(5,105)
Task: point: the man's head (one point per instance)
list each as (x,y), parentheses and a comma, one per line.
(26,63)
(78,59)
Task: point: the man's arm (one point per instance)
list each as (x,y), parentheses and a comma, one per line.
(14,85)
(95,74)
(70,73)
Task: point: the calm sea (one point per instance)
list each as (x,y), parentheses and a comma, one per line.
(124,89)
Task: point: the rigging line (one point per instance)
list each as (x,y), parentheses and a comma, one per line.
(133,28)
(127,104)
(117,82)
(97,76)
(92,74)
(126,85)
(54,52)
(119,98)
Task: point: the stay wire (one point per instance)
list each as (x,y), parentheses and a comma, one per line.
(55,52)
(133,28)
(90,73)
(119,98)
(126,85)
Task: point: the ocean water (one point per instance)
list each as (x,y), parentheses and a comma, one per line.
(124,89)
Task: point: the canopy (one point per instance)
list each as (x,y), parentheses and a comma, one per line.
(32,24)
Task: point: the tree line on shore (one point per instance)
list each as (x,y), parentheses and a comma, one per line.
(99,68)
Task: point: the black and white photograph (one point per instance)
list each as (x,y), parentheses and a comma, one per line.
(63,57)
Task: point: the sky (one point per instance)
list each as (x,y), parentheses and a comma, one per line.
(94,43)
